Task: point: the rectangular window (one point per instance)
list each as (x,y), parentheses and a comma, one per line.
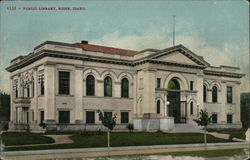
(229,118)
(41,116)
(191,85)
(41,82)
(90,117)
(64,116)
(32,115)
(124,117)
(64,82)
(214,118)
(107,114)
(158,83)
(229,95)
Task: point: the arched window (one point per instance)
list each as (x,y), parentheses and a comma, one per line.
(214,94)
(158,107)
(90,85)
(125,88)
(173,84)
(204,93)
(108,87)
(191,108)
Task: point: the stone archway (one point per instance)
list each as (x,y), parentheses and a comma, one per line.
(174,98)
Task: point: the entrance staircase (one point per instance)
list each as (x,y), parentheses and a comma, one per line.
(186,127)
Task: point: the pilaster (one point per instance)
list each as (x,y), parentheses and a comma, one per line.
(49,84)
(78,94)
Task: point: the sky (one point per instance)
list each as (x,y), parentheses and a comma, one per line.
(217,30)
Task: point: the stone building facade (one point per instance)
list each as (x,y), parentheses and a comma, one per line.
(63,85)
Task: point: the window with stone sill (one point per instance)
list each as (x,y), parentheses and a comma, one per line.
(158,107)
(64,82)
(124,117)
(108,87)
(214,94)
(214,118)
(64,117)
(41,82)
(125,88)
(204,93)
(90,117)
(191,108)
(229,94)
(90,85)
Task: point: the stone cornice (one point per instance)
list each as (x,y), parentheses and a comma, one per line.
(49,53)
(224,74)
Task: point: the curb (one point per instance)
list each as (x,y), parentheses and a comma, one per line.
(82,150)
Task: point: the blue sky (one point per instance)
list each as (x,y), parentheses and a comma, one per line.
(216,30)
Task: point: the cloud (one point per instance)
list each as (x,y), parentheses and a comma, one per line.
(227,54)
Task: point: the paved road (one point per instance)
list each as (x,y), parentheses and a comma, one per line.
(99,152)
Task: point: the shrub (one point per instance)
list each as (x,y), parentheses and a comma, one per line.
(130,127)
(43,125)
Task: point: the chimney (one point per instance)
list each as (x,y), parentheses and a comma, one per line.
(84,42)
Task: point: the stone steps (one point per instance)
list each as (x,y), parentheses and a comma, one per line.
(183,128)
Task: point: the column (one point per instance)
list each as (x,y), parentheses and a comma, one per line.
(49,85)
(78,84)
(223,114)
(100,89)
(35,96)
(236,101)
(199,86)
(117,89)
(134,90)
(149,91)
(11,100)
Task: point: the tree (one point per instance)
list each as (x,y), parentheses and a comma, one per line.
(4,106)
(204,120)
(245,109)
(108,121)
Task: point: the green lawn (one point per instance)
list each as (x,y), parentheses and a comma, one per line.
(237,133)
(129,139)
(23,138)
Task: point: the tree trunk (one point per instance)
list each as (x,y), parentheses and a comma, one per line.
(205,138)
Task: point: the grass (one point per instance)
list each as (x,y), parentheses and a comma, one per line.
(237,133)
(24,138)
(129,139)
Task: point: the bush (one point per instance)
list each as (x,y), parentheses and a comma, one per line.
(43,125)
(6,127)
(130,127)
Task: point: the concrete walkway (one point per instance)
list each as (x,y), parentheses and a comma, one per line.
(99,152)
(59,139)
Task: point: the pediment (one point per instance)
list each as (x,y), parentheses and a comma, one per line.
(177,57)
(179,54)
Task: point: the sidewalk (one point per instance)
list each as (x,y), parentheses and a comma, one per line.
(99,152)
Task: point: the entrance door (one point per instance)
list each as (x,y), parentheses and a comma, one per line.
(174,105)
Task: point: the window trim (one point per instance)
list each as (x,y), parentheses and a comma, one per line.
(231,100)
(158,83)
(111,88)
(127,117)
(158,106)
(215,97)
(124,90)
(191,108)
(86,117)
(90,88)
(63,90)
